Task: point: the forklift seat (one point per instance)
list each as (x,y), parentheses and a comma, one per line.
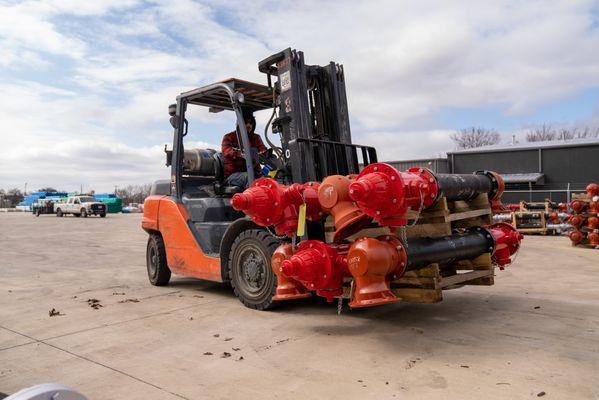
(219,171)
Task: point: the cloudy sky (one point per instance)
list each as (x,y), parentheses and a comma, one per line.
(85,85)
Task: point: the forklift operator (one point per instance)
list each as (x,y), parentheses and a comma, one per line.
(235,173)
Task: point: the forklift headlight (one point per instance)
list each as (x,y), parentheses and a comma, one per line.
(240,97)
(172,110)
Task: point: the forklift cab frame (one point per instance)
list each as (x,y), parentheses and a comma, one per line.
(231,94)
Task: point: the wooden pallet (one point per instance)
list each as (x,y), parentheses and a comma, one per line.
(524,206)
(516,217)
(581,197)
(426,285)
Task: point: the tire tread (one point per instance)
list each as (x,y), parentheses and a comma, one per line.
(163,275)
(271,243)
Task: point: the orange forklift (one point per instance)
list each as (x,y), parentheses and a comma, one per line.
(193,229)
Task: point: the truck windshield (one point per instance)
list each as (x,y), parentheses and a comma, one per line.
(87,199)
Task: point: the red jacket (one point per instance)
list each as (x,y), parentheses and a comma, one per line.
(234,160)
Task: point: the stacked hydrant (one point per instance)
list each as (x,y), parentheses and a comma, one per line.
(585,218)
(380,196)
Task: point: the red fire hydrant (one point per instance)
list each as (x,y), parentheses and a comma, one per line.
(333,197)
(507,243)
(594,238)
(576,237)
(318,267)
(287,288)
(373,263)
(268,203)
(387,195)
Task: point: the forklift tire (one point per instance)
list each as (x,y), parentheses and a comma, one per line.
(103,215)
(158,270)
(59,213)
(253,280)
(83,213)
(37,213)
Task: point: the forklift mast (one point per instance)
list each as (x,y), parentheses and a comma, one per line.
(313,118)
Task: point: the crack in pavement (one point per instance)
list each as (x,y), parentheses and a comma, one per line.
(96,363)
(100,326)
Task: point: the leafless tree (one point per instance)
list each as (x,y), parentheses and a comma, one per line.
(15,196)
(546,133)
(134,193)
(472,137)
(541,134)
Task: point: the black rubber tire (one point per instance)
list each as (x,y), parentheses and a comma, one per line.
(59,213)
(159,273)
(37,213)
(83,213)
(262,244)
(102,215)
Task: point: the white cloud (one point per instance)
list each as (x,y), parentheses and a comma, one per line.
(127,60)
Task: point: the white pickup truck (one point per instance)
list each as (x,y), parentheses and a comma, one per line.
(80,206)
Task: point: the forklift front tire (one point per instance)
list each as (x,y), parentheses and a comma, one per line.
(158,271)
(253,280)
(59,213)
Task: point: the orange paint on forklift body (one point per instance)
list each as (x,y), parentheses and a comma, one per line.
(184,256)
(151,207)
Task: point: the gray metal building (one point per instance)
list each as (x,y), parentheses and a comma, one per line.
(440,165)
(535,171)
(532,171)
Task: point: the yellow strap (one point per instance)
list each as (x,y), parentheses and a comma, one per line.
(301,220)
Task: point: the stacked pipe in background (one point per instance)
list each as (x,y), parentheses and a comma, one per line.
(585,218)
(379,196)
(533,217)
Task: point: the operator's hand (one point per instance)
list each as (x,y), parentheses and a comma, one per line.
(265,156)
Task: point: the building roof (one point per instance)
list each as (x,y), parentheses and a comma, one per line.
(532,177)
(530,146)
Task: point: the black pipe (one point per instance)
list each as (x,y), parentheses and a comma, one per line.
(458,246)
(529,206)
(464,186)
(528,217)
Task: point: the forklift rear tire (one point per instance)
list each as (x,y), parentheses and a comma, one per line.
(59,213)
(251,276)
(83,213)
(103,215)
(158,270)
